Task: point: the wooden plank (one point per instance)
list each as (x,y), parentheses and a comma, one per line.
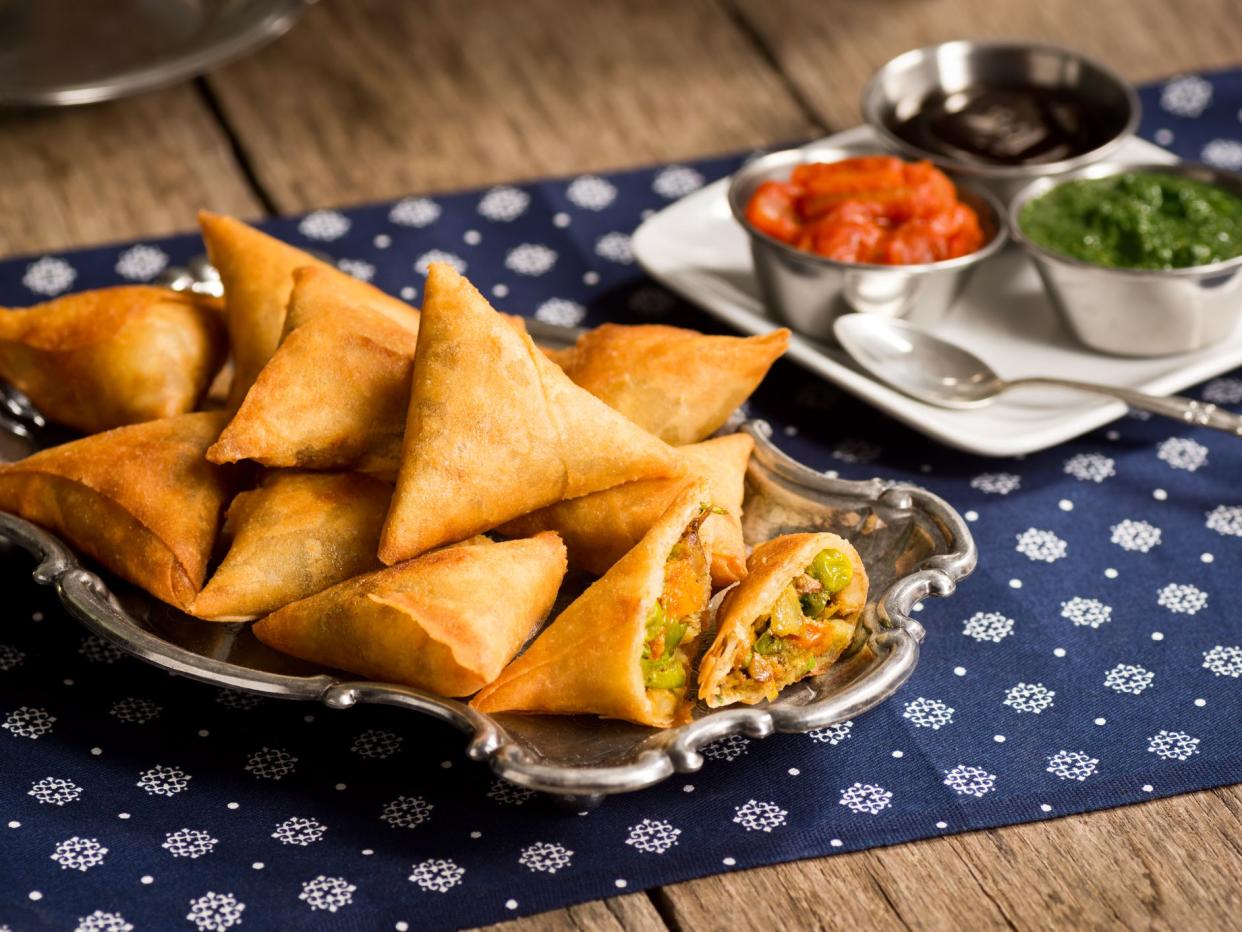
(1173,863)
(373,99)
(133,168)
(828,48)
(632,913)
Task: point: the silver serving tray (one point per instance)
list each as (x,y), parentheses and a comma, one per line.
(913,543)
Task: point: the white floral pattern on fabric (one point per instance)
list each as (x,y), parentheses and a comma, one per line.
(49,276)
(676,181)
(1173,745)
(271,764)
(190,843)
(141,263)
(79,854)
(996,483)
(1183,453)
(1227,391)
(97,650)
(1223,153)
(358,268)
(757,816)
(1186,96)
(1129,678)
(561,312)
(414,212)
(100,921)
(1089,613)
(591,192)
(1182,598)
(654,836)
(1091,467)
(215,912)
(928,713)
(615,247)
(324,225)
(1140,536)
(406,812)
(299,831)
(1029,697)
(530,259)
(728,748)
(988,626)
(10,657)
(1072,765)
(508,794)
(1041,546)
(832,734)
(1226,520)
(135,711)
(852,450)
(423,262)
(330,893)
(237,700)
(545,857)
(376,744)
(1224,660)
(163,781)
(29,722)
(53,791)
(504,204)
(866,798)
(970,781)
(437,875)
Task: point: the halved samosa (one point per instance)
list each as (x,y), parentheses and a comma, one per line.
(141,500)
(296,534)
(624,648)
(257,273)
(790,618)
(335,393)
(496,430)
(600,528)
(113,356)
(679,384)
(447,622)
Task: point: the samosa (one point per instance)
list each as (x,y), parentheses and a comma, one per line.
(113,356)
(679,384)
(257,273)
(625,647)
(296,534)
(791,617)
(447,622)
(142,500)
(495,429)
(600,528)
(335,393)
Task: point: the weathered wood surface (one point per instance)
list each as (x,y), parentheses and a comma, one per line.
(369,99)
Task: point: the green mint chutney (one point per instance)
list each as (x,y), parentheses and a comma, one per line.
(1137,220)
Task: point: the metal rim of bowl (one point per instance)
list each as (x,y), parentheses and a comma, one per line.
(805,155)
(870,111)
(1193,170)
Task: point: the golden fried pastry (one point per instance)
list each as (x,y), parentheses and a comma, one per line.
(113,356)
(296,534)
(600,528)
(790,618)
(142,500)
(679,384)
(624,648)
(257,273)
(335,393)
(495,430)
(446,622)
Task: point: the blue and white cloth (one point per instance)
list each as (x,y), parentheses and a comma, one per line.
(1094,659)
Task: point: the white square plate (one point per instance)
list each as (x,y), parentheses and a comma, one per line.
(697,249)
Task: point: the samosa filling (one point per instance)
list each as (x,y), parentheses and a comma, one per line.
(676,620)
(801,634)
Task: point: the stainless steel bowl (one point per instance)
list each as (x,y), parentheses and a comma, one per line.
(900,88)
(1138,312)
(809,292)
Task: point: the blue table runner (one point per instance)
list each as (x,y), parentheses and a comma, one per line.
(1093,660)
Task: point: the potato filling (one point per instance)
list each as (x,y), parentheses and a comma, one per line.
(800,635)
(676,620)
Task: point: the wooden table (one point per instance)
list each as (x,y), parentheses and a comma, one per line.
(369,99)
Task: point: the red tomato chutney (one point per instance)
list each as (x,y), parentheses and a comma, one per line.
(875,209)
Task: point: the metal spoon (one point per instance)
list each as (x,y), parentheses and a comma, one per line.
(934,371)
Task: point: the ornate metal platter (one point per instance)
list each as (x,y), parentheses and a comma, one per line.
(913,544)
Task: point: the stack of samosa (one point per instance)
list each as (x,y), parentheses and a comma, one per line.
(338,499)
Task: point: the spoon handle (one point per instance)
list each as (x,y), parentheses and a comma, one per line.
(1178,407)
